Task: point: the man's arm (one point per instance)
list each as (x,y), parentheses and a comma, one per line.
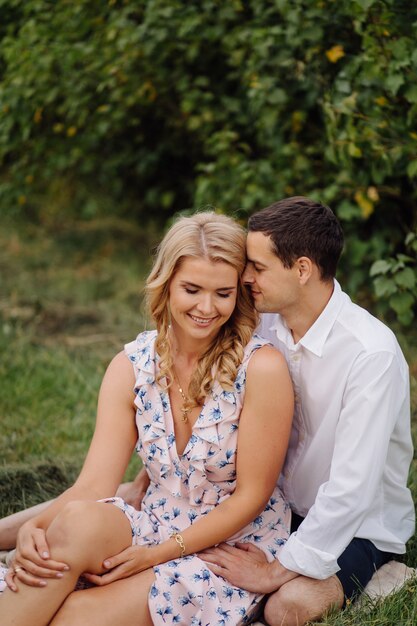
(376,402)
(133,492)
(376,395)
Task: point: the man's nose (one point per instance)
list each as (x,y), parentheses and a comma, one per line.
(248,277)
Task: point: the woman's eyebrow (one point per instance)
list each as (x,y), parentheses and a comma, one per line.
(190,284)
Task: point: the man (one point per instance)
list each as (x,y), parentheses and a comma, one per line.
(350,449)
(349,454)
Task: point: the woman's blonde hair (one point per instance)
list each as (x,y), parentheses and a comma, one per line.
(216,238)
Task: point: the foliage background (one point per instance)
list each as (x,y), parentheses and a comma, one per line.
(143,108)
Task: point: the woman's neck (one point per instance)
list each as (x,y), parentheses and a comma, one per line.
(185,350)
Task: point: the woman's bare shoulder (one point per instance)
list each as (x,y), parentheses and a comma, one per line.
(265,359)
(120,368)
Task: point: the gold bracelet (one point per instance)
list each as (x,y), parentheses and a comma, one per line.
(180,541)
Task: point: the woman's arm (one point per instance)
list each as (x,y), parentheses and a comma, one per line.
(264,429)
(114,438)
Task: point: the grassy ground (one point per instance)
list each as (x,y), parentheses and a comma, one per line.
(69,300)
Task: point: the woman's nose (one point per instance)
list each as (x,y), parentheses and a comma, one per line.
(205,304)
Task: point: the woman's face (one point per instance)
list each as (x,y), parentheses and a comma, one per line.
(202,297)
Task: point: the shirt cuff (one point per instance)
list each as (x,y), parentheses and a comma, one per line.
(307,561)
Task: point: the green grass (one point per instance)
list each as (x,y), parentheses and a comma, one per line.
(69,300)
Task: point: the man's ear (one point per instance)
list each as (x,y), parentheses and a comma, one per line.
(304,267)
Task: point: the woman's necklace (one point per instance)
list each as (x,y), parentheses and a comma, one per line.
(184,409)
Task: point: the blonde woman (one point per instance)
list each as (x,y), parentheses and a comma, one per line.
(209,407)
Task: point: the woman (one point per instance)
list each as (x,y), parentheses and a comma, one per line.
(200,388)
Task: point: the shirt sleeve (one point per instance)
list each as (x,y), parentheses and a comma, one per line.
(376,395)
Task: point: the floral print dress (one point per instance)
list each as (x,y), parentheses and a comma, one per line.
(185,487)
(3,572)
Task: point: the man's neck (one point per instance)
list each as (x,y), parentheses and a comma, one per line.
(312,304)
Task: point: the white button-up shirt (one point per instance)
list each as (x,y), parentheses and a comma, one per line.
(350,448)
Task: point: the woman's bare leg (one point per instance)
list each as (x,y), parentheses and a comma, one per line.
(83,535)
(124,602)
(10,525)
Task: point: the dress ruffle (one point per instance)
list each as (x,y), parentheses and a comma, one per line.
(3,572)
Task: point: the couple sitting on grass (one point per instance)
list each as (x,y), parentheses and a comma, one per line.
(276,449)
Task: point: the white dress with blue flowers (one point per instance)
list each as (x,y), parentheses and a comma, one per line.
(3,572)
(183,488)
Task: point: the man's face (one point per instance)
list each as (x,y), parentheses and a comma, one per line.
(275,289)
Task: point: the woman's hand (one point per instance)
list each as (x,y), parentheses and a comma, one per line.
(131,561)
(32,563)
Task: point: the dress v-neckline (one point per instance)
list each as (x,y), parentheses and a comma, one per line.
(172,428)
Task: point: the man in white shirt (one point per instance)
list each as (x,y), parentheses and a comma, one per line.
(348,459)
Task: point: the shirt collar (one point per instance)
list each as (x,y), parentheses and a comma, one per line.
(317,334)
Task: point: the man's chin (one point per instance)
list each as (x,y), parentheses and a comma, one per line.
(261,308)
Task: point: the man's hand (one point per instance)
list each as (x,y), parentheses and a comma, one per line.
(246,566)
(132,493)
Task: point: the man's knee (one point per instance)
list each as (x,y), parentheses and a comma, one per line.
(282,607)
(303,599)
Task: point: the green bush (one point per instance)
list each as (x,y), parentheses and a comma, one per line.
(147,107)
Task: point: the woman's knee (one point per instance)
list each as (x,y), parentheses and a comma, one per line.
(73,525)
(86,532)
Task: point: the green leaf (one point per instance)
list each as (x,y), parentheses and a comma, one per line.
(397,265)
(277,96)
(411,94)
(402,302)
(400,48)
(406,318)
(412,169)
(410,238)
(411,243)
(394,82)
(384,286)
(365,4)
(405,258)
(406,278)
(354,151)
(380,267)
